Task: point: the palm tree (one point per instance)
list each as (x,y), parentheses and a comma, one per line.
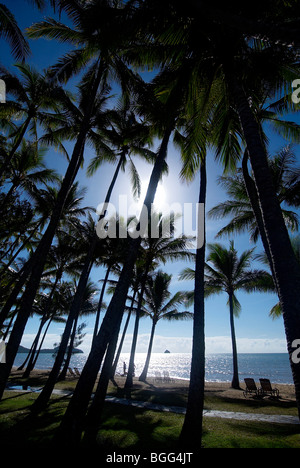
(256,65)
(101,54)
(227,272)
(71,425)
(27,169)
(44,201)
(153,251)
(35,95)
(10,31)
(89,306)
(161,305)
(286,180)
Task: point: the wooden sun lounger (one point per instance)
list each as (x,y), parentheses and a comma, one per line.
(251,388)
(267,389)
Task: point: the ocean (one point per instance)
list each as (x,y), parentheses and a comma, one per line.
(275,367)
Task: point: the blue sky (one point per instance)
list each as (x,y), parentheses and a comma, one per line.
(255,331)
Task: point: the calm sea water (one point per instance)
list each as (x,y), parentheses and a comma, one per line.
(275,367)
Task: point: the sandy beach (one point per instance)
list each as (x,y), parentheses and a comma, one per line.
(219,389)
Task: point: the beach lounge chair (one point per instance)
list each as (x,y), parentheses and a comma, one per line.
(167,377)
(267,389)
(77,372)
(71,372)
(251,388)
(158,377)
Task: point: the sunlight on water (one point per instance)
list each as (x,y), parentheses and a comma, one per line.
(218,366)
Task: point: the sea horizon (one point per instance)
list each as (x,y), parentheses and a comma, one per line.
(218,366)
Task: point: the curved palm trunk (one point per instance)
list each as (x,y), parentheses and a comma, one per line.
(191,434)
(15,147)
(44,396)
(253,197)
(114,366)
(286,268)
(69,350)
(131,367)
(30,357)
(143,376)
(42,342)
(96,327)
(235,380)
(40,255)
(72,424)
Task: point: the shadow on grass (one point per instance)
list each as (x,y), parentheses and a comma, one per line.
(132,430)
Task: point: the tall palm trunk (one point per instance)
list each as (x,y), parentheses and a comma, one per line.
(97,321)
(42,341)
(40,255)
(143,376)
(73,420)
(130,373)
(43,321)
(64,371)
(16,145)
(286,268)
(191,434)
(114,366)
(45,394)
(254,201)
(235,380)
(96,409)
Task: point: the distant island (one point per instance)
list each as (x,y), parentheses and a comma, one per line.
(167,351)
(23,350)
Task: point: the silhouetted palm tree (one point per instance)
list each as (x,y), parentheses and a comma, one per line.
(159,304)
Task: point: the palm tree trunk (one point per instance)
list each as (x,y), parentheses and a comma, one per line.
(129,379)
(96,327)
(286,268)
(235,380)
(143,376)
(7,159)
(43,321)
(114,366)
(72,424)
(253,197)
(191,434)
(45,395)
(64,371)
(33,346)
(42,341)
(95,411)
(40,255)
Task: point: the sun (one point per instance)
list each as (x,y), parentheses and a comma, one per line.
(160,196)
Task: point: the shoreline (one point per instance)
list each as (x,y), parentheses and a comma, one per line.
(287,391)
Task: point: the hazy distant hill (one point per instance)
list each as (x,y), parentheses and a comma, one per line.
(23,350)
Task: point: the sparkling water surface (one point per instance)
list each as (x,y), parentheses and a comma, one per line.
(275,367)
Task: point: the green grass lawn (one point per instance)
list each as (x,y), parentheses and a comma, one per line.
(130,430)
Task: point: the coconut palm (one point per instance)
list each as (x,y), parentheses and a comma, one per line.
(34,95)
(44,201)
(153,251)
(159,304)
(256,65)
(10,31)
(71,425)
(99,44)
(27,169)
(227,272)
(286,180)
